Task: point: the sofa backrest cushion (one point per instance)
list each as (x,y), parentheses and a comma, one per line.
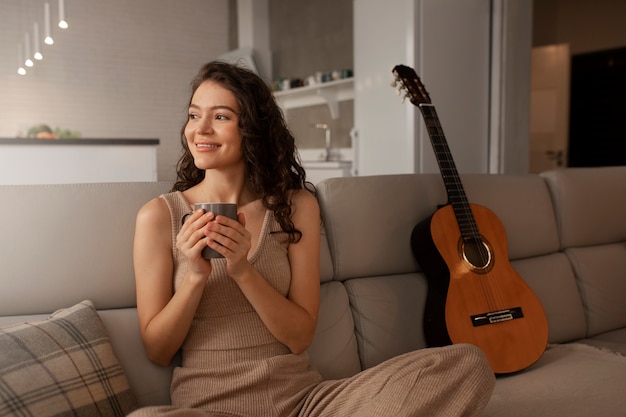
(368,221)
(388,313)
(553,281)
(590,208)
(334,349)
(590,205)
(81,247)
(601,272)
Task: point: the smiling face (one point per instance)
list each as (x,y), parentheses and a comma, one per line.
(212,129)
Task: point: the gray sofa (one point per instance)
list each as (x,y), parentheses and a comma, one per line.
(62,244)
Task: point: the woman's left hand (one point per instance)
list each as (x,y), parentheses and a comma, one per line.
(230,238)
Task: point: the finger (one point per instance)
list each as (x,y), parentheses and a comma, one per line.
(221,237)
(221,219)
(192,215)
(226,240)
(198,221)
(224,226)
(241,218)
(188,220)
(192,230)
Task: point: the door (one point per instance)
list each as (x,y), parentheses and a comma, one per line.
(549,107)
(597,123)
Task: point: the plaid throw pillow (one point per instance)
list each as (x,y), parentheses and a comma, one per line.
(62,366)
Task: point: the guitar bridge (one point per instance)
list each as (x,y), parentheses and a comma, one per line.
(497,316)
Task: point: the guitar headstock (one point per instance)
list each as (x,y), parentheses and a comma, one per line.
(410,83)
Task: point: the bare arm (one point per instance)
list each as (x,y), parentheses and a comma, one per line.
(165,316)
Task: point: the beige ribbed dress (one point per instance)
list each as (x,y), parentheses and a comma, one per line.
(233,366)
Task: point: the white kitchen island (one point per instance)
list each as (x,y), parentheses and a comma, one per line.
(68,161)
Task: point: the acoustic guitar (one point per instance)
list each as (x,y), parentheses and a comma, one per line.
(474,294)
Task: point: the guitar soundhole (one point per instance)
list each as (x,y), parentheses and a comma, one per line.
(477,253)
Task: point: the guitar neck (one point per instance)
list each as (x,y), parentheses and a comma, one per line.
(449,173)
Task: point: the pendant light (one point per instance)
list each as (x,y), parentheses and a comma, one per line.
(28,62)
(62,23)
(20,61)
(48,40)
(37,53)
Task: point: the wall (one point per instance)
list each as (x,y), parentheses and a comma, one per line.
(122,69)
(586,25)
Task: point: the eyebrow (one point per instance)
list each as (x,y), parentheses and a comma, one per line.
(218,107)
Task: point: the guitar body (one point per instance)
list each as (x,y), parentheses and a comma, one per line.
(489,306)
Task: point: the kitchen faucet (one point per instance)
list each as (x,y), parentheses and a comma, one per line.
(326,128)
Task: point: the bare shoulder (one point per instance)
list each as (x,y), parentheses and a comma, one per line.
(304,201)
(153,228)
(305,211)
(154,212)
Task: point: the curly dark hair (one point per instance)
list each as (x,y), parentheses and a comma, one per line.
(273,167)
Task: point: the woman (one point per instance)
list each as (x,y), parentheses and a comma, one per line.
(244,322)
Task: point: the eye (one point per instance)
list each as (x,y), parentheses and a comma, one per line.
(221,117)
(192,116)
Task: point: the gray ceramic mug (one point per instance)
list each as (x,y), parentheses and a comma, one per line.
(220,209)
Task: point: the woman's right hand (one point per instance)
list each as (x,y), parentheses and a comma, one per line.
(191,240)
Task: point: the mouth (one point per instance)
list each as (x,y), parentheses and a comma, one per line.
(207,146)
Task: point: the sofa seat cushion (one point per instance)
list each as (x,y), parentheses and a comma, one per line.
(614,341)
(62,365)
(574,380)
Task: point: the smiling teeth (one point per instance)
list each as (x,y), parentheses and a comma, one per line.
(206,145)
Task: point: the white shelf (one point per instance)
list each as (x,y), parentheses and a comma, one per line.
(330,93)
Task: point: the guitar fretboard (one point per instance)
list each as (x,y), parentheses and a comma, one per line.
(449,173)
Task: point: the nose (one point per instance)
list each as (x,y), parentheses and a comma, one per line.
(206,125)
